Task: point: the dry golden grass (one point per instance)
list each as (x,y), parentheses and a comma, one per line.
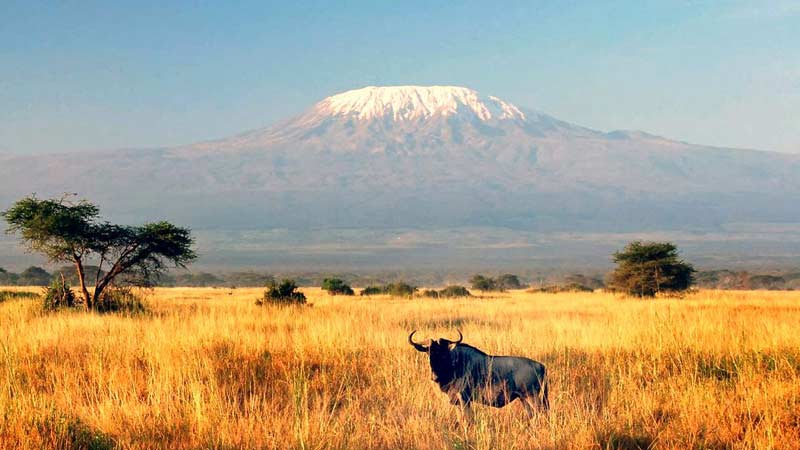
(209,369)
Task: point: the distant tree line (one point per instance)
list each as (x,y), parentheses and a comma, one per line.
(32,276)
(744,280)
(69,231)
(551,282)
(499,284)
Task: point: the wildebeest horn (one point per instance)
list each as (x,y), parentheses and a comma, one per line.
(419,347)
(460,337)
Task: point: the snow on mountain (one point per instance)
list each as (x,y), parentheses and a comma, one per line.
(416,102)
(406,119)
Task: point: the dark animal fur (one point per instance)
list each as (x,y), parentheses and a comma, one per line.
(466,375)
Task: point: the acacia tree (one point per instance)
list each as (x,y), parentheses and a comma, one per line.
(71,231)
(645,269)
(336,286)
(483,283)
(508,281)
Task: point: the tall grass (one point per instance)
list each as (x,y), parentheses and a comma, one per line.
(210,369)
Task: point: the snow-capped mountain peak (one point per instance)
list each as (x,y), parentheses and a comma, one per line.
(403,120)
(416,102)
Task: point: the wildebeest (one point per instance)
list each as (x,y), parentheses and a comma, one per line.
(467,375)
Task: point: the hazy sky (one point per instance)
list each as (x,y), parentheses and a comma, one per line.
(77,75)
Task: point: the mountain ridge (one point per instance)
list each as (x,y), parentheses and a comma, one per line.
(446,163)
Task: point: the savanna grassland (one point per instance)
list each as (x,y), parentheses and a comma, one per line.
(208,369)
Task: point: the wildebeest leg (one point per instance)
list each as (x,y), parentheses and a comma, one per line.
(543,397)
(466,413)
(526,402)
(463,400)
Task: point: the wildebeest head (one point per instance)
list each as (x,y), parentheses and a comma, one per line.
(440,356)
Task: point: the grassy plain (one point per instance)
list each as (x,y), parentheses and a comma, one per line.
(208,369)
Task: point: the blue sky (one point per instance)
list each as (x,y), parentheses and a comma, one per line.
(78,75)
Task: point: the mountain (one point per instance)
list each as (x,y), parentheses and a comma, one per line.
(425,158)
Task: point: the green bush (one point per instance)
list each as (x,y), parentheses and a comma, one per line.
(484,284)
(508,281)
(448,292)
(399,289)
(499,284)
(374,290)
(283,293)
(335,286)
(454,291)
(58,295)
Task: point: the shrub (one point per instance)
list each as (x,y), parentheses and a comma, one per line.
(499,284)
(484,284)
(399,289)
(454,291)
(374,290)
(58,296)
(431,293)
(448,292)
(283,293)
(335,286)
(508,281)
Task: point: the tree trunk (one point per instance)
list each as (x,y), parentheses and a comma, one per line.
(103,284)
(98,290)
(82,278)
(658,281)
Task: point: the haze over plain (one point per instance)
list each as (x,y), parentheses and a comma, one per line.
(321,186)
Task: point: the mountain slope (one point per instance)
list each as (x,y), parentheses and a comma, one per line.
(436,156)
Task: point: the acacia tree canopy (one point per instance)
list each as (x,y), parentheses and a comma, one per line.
(646,268)
(56,228)
(66,231)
